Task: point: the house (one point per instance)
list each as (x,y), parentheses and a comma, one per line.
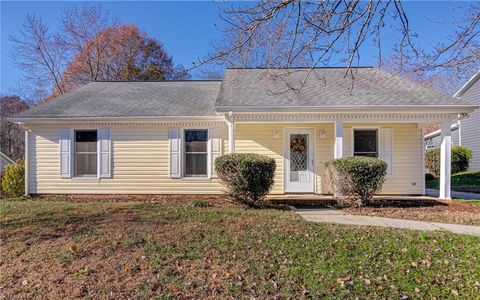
(163,137)
(4,160)
(465,131)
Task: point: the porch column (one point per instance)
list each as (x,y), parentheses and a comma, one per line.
(338,150)
(445,160)
(231,133)
(27,161)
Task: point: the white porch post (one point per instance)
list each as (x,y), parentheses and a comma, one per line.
(338,150)
(27,161)
(231,133)
(445,160)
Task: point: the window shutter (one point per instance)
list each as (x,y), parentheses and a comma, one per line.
(65,153)
(104,153)
(347,142)
(387,148)
(216,148)
(174,147)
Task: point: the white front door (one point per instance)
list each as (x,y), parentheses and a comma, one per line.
(299,161)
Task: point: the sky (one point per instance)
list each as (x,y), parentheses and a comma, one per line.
(188,28)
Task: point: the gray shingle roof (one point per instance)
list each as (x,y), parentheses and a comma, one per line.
(278,88)
(131,99)
(241,88)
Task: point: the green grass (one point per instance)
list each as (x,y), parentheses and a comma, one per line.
(55,249)
(463,182)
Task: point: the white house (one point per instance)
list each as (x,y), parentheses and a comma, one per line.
(466,130)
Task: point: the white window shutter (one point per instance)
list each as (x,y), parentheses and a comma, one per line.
(66,158)
(347,142)
(104,153)
(175,152)
(216,148)
(387,148)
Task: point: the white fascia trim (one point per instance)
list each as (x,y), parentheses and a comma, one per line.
(467,84)
(119,119)
(439,131)
(348,108)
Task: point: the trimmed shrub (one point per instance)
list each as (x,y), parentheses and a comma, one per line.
(460,160)
(248,177)
(354,180)
(13,180)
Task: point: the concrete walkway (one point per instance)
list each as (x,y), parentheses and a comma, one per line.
(328,215)
(459,195)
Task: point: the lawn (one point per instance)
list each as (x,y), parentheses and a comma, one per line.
(59,249)
(465,212)
(462,182)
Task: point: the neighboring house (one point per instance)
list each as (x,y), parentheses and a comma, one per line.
(466,131)
(4,160)
(434,138)
(163,137)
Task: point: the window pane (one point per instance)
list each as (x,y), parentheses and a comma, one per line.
(86,136)
(85,152)
(195,164)
(196,140)
(86,164)
(365,143)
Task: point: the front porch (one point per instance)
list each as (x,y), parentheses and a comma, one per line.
(398,139)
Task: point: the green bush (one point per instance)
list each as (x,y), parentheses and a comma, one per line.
(13,180)
(248,177)
(355,179)
(460,160)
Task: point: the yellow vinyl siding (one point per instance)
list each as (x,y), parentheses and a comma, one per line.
(407,175)
(140,166)
(140,160)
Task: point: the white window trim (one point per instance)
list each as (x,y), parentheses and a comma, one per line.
(209,152)
(73,155)
(379,142)
(352,138)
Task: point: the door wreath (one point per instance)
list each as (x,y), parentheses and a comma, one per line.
(298,144)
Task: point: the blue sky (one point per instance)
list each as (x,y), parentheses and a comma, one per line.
(187,29)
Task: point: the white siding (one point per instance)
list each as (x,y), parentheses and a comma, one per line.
(471,126)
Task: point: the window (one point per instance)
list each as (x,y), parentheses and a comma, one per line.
(365,143)
(196,153)
(85,153)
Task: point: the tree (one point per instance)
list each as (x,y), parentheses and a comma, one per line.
(288,33)
(39,54)
(88,45)
(11,134)
(126,54)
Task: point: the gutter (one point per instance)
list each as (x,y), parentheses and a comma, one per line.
(118,119)
(359,108)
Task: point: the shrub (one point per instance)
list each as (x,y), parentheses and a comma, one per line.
(460,160)
(13,179)
(355,179)
(248,177)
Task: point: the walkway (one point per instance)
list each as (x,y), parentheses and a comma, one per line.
(459,195)
(328,215)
